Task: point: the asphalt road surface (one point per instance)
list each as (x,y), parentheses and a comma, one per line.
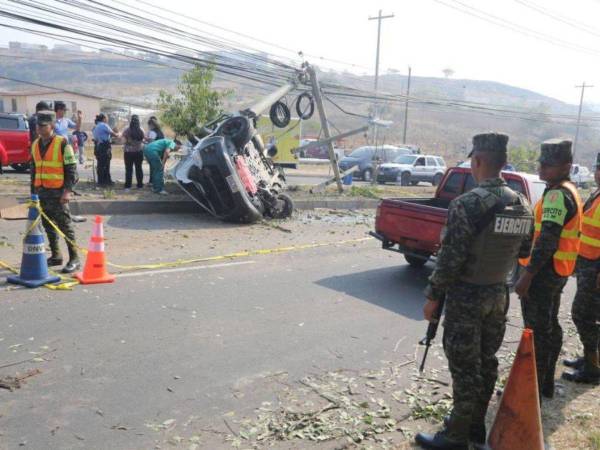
(196,343)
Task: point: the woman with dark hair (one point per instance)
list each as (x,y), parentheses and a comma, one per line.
(103,149)
(154,130)
(133,152)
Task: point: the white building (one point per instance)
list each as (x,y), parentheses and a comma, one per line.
(24,102)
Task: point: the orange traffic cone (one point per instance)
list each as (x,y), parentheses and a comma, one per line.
(95,263)
(518,422)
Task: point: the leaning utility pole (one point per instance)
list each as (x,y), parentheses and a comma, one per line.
(316,91)
(378,18)
(583,86)
(406,107)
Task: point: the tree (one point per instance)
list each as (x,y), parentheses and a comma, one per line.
(195,102)
(448,72)
(523,158)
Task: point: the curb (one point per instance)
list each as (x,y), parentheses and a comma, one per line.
(120,207)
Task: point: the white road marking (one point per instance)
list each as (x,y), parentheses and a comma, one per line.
(182,269)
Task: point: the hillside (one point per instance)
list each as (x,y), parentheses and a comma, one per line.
(438,129)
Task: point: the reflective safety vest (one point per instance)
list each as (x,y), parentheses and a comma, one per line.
(590,232)
(565,257)
(49,169)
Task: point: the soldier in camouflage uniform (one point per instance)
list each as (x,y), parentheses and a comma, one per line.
(552,261)
(53,176)
(586,306)
(487,229)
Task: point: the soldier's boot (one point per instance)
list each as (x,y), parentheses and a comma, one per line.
(589,373)
(449,438)
(548,387)
(74,263)
(477,432)
(56,258)
(574,363)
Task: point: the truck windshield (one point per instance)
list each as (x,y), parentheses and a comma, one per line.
(405,159)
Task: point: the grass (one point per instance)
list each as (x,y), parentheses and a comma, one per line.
(594,440)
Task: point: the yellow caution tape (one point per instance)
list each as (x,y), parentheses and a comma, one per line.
(68,283)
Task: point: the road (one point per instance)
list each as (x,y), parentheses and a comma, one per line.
(176,357)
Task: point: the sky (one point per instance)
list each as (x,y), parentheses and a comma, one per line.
(554,56)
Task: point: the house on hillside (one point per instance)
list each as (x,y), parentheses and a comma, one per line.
(24,102)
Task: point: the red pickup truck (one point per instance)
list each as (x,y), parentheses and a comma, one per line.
(14,142)
(412,226)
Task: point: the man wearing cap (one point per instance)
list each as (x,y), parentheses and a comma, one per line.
(53,176)
(476,256)
(558,217)
(586,306)
(40,106)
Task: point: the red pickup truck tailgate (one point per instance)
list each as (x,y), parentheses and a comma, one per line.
(411,223)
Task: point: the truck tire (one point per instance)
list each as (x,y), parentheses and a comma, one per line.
(404,179)
(436,179)
(415,261)
(21,168)
(367,175)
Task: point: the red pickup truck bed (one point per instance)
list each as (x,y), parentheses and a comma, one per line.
(412,226)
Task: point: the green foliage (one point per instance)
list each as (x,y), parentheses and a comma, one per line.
(524,158)
(195,102)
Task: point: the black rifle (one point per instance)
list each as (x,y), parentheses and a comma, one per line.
(432,331)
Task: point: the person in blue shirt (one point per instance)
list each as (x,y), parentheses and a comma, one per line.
(103,149)
(157,153)
(64,124)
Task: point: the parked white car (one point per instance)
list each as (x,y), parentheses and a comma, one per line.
(411,169)
(581,176)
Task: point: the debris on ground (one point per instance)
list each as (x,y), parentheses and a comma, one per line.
(11,383)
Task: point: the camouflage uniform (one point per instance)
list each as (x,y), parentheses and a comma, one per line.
(58,212)
(540,309)
(475,316)
(586,306)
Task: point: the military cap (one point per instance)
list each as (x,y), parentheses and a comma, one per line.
(489,142)
(45,117)
(555,152)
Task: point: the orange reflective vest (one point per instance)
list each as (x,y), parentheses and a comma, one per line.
(565,257)
(590,231)
(49,169)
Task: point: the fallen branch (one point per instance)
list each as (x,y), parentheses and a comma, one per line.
(319,393)
(27,360)
(230,429)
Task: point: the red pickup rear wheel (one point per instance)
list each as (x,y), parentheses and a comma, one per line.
(23,167)
(415,261)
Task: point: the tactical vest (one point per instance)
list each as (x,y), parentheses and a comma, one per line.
(49,169)
(507,221)
(565,257)
(589,246)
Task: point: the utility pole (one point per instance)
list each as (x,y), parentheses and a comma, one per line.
(316,90)
(406,107)
(583,86)
(378,18)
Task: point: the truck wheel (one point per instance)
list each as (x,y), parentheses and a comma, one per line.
(415,261)
(436,179)
(405,179)
(285,207)
(367,175)
(21,168)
